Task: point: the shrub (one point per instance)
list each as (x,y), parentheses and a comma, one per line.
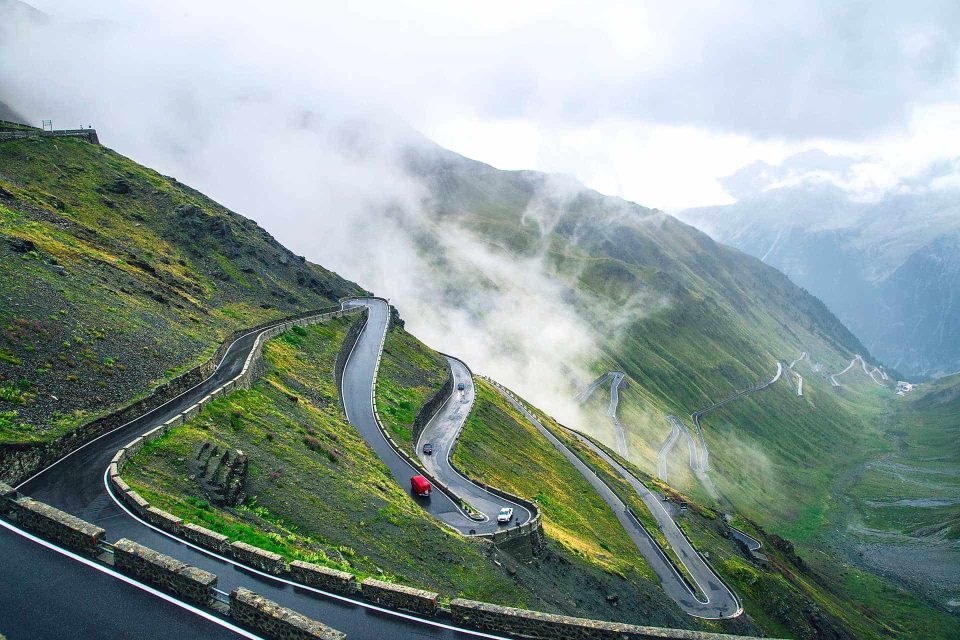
(10,393)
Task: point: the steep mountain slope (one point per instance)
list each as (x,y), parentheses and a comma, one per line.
(888,269)
(115,278)
(688,320)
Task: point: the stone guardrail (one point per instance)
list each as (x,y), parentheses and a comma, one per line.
(49,522)
(535,625)
(89,134)
(20,461)
(394,596)
(159,570)
(156,569)
(277,621)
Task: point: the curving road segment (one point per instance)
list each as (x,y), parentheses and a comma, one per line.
(442,432)
(715,600)
(78,484)
(616,379)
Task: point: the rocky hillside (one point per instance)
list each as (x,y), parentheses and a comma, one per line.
(888,269)
(115,278)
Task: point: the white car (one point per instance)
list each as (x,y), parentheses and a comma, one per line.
(505,515)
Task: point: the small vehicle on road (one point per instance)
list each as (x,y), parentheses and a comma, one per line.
(420,486)
(505,515)
(461,386)
(428,449)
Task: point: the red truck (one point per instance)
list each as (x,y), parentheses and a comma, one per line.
(420,486)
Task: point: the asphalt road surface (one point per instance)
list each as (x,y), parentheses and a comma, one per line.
(77,484)
(704,465)
(357,392)
(616,379)
(716,600)
(677,428)
(45,594)
(442,432)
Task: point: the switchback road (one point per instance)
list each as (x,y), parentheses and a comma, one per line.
(77,484)
(442,432)
(616,379)
(716,599)
(357,390)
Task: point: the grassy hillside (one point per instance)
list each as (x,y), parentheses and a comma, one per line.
(794,594)
(411,373)
(316,491)
(115,278)
(691,321)
(500,447)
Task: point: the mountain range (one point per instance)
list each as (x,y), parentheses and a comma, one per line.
(887,266)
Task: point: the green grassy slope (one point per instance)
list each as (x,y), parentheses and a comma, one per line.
(410,374)
(316,490)
(690,322)
(114,278)
(901,505)
(501,448)
(587,545)
(794,594)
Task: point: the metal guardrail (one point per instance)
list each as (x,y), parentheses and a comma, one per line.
(221,596)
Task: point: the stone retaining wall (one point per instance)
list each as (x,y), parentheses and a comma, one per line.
(431,406)
(395,596)
(89,134)
(169,574)
(258,558)
(19,461)
(7,496)
(324,578)
(275,621)
(546,626)
(58,526)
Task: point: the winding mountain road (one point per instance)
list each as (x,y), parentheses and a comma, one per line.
(715,600)
(704,465)
(616,379)
(677,427)
(442,432)
(863,363)
(78,484)
(357,390)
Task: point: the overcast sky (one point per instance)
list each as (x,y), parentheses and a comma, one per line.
(651,101)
